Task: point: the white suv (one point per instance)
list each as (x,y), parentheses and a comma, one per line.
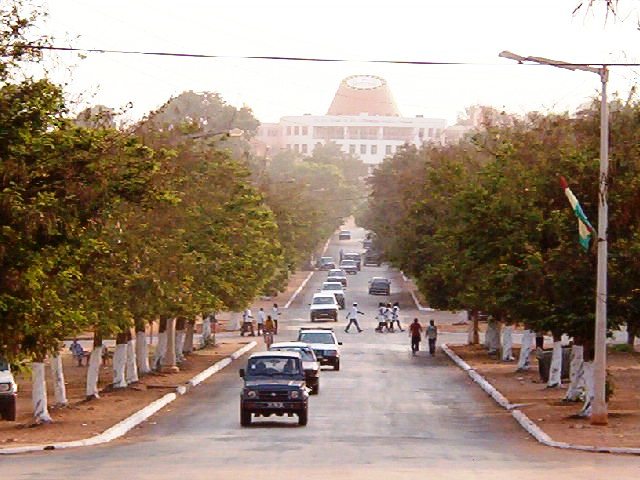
(8,393)
(324,344)
(324,305)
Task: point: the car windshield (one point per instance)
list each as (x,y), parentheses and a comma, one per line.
(379,283)
(332,286)
(336,273)
(326,260)
(352,256)
(323,301)
(349,263)
(272,366)
(306,353)
(3,364)
(317,337)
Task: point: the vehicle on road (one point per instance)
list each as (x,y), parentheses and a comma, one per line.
(350,267)
(274,384)
(379,286)
(337,289)
(326,263)
(372,257)
(324,305)
(8,392)
(356,257)
(337,275)
(310,363)
(344,235)
(324,343)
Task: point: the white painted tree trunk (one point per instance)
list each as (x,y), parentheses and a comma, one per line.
(180,337)
(142,354)
(57,377)
(206,331)
(576,375)
(588,390)
(507,343)
(188,338)
(492,340)
(555,371)
(169,359)
(528,339)
(93,372)
(119,365)
(131,370)
(160,351)
(39,393)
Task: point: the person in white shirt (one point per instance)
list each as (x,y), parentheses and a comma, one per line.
(388,315)
(260,321)
(395,317)
(352,316)
(247,323)
(275,313)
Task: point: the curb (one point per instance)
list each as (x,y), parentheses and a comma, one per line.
(413,295)
(523,420)
(119,429)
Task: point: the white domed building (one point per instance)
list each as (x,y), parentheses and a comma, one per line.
(363,119)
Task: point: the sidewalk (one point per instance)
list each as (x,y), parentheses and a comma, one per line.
(526,393)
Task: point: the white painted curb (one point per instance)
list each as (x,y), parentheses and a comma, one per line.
(415,299)
(525,422)
(119,429)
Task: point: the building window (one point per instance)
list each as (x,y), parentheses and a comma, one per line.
(318,145)
(421,133)
(288,146)
(363,149)
(288,130)
(374,149)
(398,147)
(387,149)
(304,131)
(304,148)
(352,148)
(296,130)
(296,148)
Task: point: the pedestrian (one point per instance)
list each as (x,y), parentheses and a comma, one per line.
(275,313)
(247,323)
(415,332)
(260,321)
(395,317)
(432,336)
(77,351)
(388,316)
(382,321)
(352,316)
(269,327)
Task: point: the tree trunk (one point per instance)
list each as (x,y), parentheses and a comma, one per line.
(525,350)
(589,389)
(180,337)
(93,371)
(57,377)
(507,343)
(632,331)
(492,340)
(206,331)
(188,337)
(555,371)
(39,393)
(131,370)
(474,334)
(120,361)
(576,375)
(142,350)
(168,363)
(161,347)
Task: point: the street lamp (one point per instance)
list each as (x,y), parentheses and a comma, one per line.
(599,406)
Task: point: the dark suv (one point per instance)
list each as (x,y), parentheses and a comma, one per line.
(274,384)
(379,286)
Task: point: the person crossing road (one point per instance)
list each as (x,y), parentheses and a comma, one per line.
(352,316)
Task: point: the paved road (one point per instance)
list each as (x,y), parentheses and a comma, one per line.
(385,415)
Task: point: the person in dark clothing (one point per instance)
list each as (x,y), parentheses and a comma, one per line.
(415,331)
(432,336)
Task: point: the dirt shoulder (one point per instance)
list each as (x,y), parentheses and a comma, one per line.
(557,418)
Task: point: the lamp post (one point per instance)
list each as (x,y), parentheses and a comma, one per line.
(599,405)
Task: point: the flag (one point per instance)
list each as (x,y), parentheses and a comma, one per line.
(585,229)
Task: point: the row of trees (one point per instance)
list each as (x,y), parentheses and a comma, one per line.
(105,229)
(485,226)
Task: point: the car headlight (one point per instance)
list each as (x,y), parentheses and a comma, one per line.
(251,394)
(294,394)
(6,387)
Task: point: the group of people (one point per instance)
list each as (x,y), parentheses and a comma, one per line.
(388,317)
(431,334)
(266,325)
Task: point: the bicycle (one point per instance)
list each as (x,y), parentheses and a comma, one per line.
(268,339)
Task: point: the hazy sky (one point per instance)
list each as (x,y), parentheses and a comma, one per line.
(473,31)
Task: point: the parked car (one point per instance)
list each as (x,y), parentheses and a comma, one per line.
(309,362)
(324,305)
(372,257)
(324,343)
(274,384)
(337,275)
(326,263)
(350,267)
(344,235)
(379,286)
(356,257)
(8,392)
(337,290)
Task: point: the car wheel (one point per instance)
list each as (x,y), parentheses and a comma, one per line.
(245,418)
(303,417)
(336,366)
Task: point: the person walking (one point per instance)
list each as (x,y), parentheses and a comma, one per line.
(247,323)
(77,351)
(432,336)
(269,328)
(382,321)
(352,316)
(395,317)
(260,321)
(415,332)
(275,313)
(388,317)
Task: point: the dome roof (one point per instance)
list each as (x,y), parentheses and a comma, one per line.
(366,94)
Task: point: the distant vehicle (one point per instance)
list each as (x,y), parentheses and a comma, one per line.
(326,263)
(309,362)
(350,267)
(356,257)
(344,235)
(324,344)
(337,275)
(337,289)
(372,257)
(8,392)
(274,384)
(379,286)
(367,243)
(324,305)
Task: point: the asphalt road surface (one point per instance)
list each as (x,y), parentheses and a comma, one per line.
(384,415)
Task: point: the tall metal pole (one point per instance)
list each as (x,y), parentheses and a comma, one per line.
(599,406)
